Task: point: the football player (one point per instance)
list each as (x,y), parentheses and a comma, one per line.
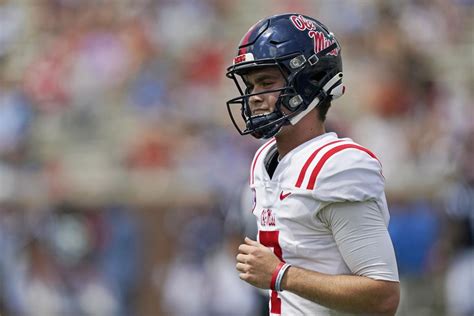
(319,199)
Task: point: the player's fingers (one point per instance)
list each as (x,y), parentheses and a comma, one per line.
(244,276)
(241,258)
(245,249)
(251,242)
(241,267)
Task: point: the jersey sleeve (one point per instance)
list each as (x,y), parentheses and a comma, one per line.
(347,173)
(362,238)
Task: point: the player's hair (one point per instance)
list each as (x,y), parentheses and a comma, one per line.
(323,109)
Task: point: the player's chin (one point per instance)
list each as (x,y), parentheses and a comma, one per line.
(283,130)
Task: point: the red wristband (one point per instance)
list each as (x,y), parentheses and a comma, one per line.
(275,274)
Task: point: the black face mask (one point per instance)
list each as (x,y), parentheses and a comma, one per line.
(264,126)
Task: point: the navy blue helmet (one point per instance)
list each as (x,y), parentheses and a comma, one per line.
(309,58)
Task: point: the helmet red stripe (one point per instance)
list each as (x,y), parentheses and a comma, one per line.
(245,40)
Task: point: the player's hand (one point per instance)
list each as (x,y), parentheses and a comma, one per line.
(256,263)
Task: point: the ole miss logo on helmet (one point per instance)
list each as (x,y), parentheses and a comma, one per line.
(320,40)
(242,58)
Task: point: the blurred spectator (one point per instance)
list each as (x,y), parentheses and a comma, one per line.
(197,237)
(58,272)
(15,118)
(119,259)
(12,239)
(228,295)
(12,20)
(203,269)
(459,249)
(148,91)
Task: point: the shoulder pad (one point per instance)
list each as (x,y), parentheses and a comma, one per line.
(342,171)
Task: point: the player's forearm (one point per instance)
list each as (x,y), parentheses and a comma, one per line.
(347,293)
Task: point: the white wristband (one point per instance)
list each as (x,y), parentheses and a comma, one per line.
(280,275)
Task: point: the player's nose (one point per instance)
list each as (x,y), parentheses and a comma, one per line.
(255,100)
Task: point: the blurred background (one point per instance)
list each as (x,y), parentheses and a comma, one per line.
(122,181)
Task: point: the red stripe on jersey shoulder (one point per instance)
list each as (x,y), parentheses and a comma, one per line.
(310,160)
(329,154)
(252,178)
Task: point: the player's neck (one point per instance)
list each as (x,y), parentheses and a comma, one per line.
(293,136)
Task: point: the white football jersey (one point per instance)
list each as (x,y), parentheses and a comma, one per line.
(319,172)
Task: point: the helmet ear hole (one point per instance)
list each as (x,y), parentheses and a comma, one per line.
(292,101)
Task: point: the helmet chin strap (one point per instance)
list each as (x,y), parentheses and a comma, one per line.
(332,88)
(295,119)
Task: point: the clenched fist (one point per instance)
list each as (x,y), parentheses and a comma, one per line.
(256,263)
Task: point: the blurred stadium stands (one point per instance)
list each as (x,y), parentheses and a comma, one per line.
(120,173)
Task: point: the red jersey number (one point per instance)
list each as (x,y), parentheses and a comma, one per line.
(270,239)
